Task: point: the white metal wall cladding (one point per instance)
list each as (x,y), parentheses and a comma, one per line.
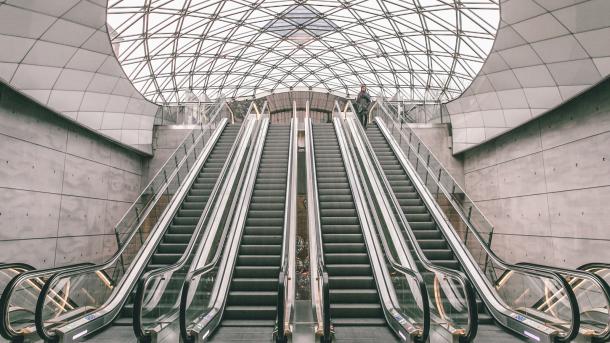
(546,52)
(59,53)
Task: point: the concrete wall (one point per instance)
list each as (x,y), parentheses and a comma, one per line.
(437,138)
(166,139)
(546,185)
(62,187)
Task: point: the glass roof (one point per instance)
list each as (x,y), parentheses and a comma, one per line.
(414,49)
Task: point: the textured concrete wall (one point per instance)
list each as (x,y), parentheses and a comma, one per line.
(437,138)
(165,141)
(546,185)
(62,187)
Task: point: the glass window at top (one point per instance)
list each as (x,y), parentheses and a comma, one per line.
(412,49)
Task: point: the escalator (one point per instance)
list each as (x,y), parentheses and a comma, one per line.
(251,306)
(355,307)
(180,231)
(428,235)
(173,240)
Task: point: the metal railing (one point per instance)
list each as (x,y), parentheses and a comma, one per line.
(287,276)
(320,291)
(201,303)
(454,303)
(157,296)
(404,296)
(466,230)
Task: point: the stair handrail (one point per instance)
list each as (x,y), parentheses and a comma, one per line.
(198,235)
(395,318)
(255,151)
(470,331)
(573,330)
(33,276)
(97,269)
(320,289)
(576,277)
(286,278)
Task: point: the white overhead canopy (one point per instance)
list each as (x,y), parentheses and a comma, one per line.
(546,52)
(422,49)
(59,54)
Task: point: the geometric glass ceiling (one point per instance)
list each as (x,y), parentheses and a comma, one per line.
(417,49)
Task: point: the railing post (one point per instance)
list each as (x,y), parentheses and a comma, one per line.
(491,233)
(186,158)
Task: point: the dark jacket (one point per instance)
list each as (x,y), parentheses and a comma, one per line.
(362,102)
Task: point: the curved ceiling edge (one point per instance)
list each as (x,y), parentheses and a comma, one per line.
(62,57)
(545,53)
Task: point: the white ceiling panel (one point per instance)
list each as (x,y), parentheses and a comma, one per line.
(554,49)
(59,54)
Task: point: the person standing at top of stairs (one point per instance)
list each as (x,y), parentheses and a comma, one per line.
(363,101)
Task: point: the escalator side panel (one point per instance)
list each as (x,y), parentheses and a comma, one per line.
(180,231)
(427,232)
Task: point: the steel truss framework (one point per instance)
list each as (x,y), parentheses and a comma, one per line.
(416,49)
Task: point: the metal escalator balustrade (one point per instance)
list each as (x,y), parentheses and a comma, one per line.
(102,300)
(233,293)
(200,303)
(320,289)
(156,302)
(504,298)
(453,301)
(362,296)
(353,292)
(253,293)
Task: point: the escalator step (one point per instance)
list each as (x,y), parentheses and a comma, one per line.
(351,282)
(358,296)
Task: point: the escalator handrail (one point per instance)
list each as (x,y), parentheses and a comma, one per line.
(18,265)
(313,202)
(604,336)
(465,283)
(284,275)
(575,326)
(208,267)
(109,262)
(600,265)
(5,326)
(142,283)
(422,289)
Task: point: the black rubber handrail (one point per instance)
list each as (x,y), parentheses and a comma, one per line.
(19,265)
(321,265)
(604,336)
(591,265)
(210,266)
(47,336)
(470,295)
(5,326)
(284,270)
(143,281)
(531,270)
